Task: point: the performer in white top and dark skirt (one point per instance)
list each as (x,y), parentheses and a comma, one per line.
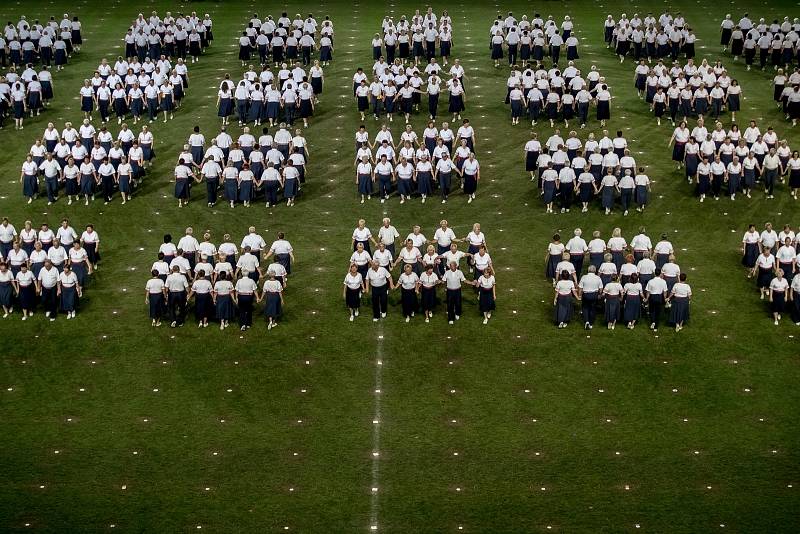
(487,293)
(428,282)
(273,293)
(680,297)
(201,290)
(794,296)
(69,290)
(6,289)
(612,292)
(765,269)
(750,248)
(564,290)
(778,288)
(633,301)
(408,283)
(352,289)
(155,297)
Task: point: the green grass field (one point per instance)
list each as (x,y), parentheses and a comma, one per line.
(510,427)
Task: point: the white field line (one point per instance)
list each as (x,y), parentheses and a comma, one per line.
(376,432)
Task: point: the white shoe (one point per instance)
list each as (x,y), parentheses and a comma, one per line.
(485,320)
(374,320)
(448,322)
(383,315)
(356,314)
(352,318)
(408,319)
(458,317)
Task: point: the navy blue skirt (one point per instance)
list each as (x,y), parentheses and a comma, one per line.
(231,190)
(69,299)
(564,309)
(273,307)
(182,188)
(612,309)
(290,188)
(679,312)
(486,300)
(224,308)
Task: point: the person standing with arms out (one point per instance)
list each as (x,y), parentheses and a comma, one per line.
(379,281)
(453,278)
(155,292)
(352,289)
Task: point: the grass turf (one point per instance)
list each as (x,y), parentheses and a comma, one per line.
(690,432)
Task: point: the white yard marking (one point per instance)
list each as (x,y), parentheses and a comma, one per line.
(376,433)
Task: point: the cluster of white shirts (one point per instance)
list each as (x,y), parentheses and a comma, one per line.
(206,251)
(284,32)
(732,142)
(661,31)
(411,147)
(29,37)
(144,32)
(774,36)
(287,87)
(640,244)
(28,236)
(428,27)
(533,33)
(603,153)
(132,79)
(534,84)
(68,143)
(689,81)
(14,87)
(390,80)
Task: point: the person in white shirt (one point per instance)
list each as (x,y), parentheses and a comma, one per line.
(69,290)
(408,283)
(176,286)
(353,287)
(590,288)
(283,252)
(378,281)
(577,249)
(273,294)
(453,278)
(680,297)
(47,288)
(155,297)
(565,289)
